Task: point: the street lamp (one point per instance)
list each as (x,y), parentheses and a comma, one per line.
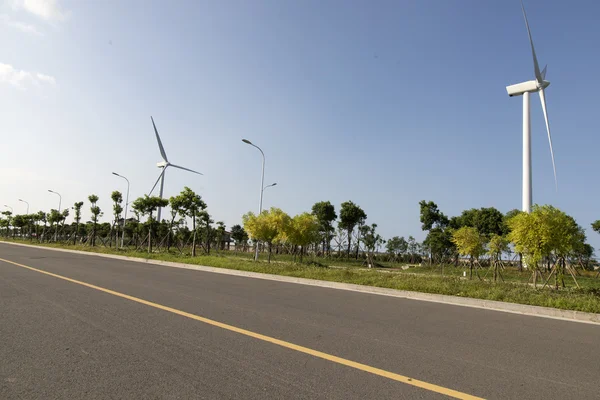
(126,204)
(23,201)
(11,209)
(59,201)
(262,188)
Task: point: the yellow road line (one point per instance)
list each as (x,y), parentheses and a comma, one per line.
(282,343)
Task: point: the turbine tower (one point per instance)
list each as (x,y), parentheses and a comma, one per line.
(164,164)
(524,89)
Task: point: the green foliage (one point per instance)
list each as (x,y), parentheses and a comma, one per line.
(397,246)
(487,221)
(302,230)
(543,232)
(239,235)
(468,242)
(350,216)
(324,211)
(431,217)
(370,237)
(596,226)
(497,245)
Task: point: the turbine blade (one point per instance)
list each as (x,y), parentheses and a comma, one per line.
(158,180)
(186,169)
(160,146)
(536,67)
(543,100)
(544,72)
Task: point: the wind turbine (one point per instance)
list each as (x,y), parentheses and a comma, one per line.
(524,89)
(164,164)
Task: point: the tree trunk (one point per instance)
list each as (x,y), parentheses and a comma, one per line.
(150,234)
(349,241)
(269,259)
(471,269)
(194,237)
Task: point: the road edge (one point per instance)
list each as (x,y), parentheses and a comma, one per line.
(493,305)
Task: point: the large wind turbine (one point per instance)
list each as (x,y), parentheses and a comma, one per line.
(524,89)
(164,164)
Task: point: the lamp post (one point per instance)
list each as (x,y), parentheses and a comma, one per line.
(262,188)
(23,201)
(11,209)
(126,204)
(59,201)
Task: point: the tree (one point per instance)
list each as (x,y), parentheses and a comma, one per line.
(350,216)
(7,221)
(469,243)
(413,248)
(267,226)
(42,217)
(220,234)
(19,221)
(545,232)
(397,246)
(497,245)
(239,235)
(302,230)
(190,204)
(371,239)
(439,239)
(77,207)
(147,205)
(117,199)
(324,211)
(431,217)
(96,213)
(54,218)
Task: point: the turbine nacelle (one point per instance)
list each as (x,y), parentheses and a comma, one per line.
(162,164)
(529,86)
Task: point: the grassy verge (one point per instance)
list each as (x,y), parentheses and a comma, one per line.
(586,299)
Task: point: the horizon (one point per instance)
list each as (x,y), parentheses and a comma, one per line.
(344,107)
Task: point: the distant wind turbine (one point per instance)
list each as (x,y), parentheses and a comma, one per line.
(523,89)
(164,164)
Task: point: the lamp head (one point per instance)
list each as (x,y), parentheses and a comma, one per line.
(246,141)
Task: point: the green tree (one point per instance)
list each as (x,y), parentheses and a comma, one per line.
(240,236)
(77,207)
(497,245)
(147,205)
(220,233)
(397,247)
(350,216)
(372,240)
(431,217)
(469,243)
(96,213)
(42,217)
(19,221)
(7,221)
(324,211)
(190,204)
(117,198)
(302,230)
(54,218)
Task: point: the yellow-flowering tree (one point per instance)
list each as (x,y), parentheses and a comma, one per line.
(469,243)
(268,226)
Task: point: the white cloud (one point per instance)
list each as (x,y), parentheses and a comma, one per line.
(49,10)
(21,79)
(23,27)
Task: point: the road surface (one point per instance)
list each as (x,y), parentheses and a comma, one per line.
(81,326)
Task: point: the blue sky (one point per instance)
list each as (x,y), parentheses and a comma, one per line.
(383,103)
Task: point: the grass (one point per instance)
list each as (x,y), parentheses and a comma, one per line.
(421,279)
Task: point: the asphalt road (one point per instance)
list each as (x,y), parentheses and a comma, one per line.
(61,339)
